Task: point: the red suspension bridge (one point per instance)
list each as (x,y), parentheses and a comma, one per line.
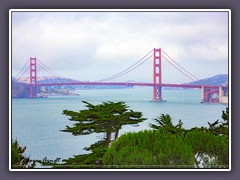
(156,69)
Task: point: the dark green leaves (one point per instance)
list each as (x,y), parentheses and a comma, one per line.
(105,117)
(149,149)
(165,122)
(166,146)
(18,160)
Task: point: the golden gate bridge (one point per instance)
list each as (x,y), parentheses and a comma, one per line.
(161,68)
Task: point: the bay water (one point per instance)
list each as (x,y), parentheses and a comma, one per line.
(36,123)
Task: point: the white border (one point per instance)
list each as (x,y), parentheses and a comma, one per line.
(117,10)
(230,87)
(10,87)
(120,10)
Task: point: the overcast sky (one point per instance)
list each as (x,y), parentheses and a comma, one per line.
(94,45)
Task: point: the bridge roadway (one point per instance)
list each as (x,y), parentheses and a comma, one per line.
(127,84)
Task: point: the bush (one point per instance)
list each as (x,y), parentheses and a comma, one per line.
(211,151)
(18,160)
(149,149)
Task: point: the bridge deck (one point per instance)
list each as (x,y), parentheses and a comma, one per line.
(126,84)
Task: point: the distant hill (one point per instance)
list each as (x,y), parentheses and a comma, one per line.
(49,80)
(215,80)
(19,88)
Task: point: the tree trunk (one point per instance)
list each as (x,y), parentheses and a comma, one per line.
(116,134)
(196,161)
(108,138)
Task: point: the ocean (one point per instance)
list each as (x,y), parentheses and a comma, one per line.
(36,123)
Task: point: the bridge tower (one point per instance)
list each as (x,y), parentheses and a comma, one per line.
(157,75)
(33,77)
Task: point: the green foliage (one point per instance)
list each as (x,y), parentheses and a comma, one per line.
(211,144)
(172,146)
(91,160)
(107,117)
(149,149)
(211,151)
(18,160)
(166,146)
(165,122)
(220,128)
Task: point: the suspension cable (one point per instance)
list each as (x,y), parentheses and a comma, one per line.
(181,66)
(130,68)
(21,69)
(179,69)
(23,72)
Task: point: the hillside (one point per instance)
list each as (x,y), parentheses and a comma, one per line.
(19,90)
(215,80)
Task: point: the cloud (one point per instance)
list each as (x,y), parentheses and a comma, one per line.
(82,40)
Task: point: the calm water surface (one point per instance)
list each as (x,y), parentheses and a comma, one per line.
(36,123)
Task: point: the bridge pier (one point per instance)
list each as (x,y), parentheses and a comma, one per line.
(223,94)
(213,95)
(157,93)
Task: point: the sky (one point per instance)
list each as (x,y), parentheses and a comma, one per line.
(95,45)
